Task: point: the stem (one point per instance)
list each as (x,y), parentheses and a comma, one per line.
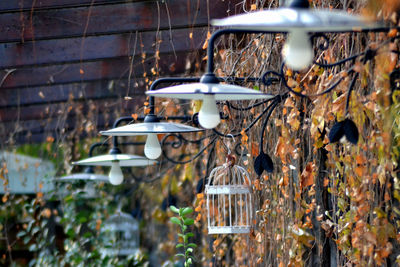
(184,241)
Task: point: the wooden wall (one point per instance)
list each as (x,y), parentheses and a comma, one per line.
(68,62)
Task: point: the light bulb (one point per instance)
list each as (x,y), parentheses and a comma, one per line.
(116,177)
(152,148)
(209,113)
(297,51)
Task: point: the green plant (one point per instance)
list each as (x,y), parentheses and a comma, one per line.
(183,221)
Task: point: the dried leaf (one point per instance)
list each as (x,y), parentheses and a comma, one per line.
(307,176)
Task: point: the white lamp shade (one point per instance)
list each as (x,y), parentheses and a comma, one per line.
(150,127)
(125,160)
(289,19)
(82,177)
(196,91)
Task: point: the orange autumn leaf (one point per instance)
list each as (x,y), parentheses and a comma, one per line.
(198,218)
(98,224)
(284,181)
(257,185)
(307,176)
(134,116)
(392,33)
(280,149)
(359,171)
(245,138)
(205,45)
(360,159)
(254,149)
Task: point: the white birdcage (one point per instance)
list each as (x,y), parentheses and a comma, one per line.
(121,234)
(229,201)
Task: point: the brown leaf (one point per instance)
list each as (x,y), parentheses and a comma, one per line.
(307,176)
(205,45)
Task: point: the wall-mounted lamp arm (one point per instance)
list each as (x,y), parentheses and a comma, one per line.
(159,81)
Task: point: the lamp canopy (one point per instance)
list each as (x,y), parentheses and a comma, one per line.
(196,91)
(288,19)
(82,177)
(125,160)
(150,127)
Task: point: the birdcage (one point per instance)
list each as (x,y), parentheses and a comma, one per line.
(121,235)
(229,202)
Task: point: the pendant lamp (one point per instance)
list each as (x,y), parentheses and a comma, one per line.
(209,90)
(150,127)
(115,159)
(298,20)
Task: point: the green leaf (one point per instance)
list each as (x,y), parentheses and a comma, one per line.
(186,211)
(87,234)
(189,234)
(32,247)
(180,255)
(256,87)
(192,245)
(174,209)
(175,220)
(71,233)
(189,261)
(21,233)
(35,229)
(188,221)
(26,239)
(190,250)
(179,245)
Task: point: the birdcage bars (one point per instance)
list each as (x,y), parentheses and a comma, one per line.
(121,233)
(228,199)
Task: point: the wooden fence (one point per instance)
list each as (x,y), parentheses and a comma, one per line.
(59,59)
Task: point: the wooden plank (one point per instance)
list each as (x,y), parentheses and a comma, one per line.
(39,112)
(107,19)
(73,92)
(23,138)
(23,5)
(37,130)
(98,47)
(53,125)
(169,64)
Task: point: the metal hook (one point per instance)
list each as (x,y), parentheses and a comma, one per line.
(226,145)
